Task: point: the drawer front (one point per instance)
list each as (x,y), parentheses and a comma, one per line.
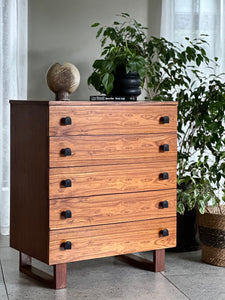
(113,239)
(103,120)
(111,149)
(106,209)
(110,179)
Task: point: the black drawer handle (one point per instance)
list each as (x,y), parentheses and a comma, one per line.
(164,120)
(164,148)
(163,204)
(66,152)
(164,232)
(67,214)
(164,176)
(66,183)
(67,245)
(66,121)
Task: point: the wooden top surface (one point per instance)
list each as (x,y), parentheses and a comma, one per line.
(94,103)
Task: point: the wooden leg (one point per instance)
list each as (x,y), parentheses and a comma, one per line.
(157,265)
(159,260)
(25,261)
(60,272)
(57,281)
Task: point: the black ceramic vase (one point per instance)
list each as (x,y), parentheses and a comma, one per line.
(126,84)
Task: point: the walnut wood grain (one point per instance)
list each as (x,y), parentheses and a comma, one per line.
(98,180)
(98,103)
(111,149)
(29,179)
(110,103)
(103,120)
(114,239)
(106,209)
(114,170)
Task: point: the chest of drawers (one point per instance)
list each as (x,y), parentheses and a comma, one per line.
(91,179)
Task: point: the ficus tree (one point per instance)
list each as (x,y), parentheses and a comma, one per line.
(171,72)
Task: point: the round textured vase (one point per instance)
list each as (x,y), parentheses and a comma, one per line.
(63,80)
(211,227)
(126,84)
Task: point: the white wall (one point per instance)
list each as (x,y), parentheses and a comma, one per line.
(59,31)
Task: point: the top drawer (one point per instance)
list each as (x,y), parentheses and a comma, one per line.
(101,120)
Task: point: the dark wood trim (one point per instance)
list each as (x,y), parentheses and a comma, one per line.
(57,281)
(97,103)
(29,213)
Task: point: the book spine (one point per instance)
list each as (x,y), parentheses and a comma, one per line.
(113,98)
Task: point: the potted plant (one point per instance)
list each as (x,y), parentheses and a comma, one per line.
(172,72)
(122,69)
(175,75)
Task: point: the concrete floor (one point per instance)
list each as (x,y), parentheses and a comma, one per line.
(186,277)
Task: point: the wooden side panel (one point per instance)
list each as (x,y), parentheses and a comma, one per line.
(105,120)
(99,180)
(111,149)
(114,239)
(106,209)
(29,212)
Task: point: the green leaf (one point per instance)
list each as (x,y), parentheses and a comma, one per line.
(180,208)
(99,32)
(125,14)
(95,24)
(213,201)
(201,206)
(107,82)
(201,210)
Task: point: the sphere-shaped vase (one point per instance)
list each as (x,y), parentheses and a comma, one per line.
(63,80)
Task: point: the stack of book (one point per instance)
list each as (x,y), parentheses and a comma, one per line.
(113,98)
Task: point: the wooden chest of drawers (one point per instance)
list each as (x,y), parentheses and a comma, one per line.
(91,179)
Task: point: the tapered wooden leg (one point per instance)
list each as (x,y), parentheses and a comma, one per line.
(157,265)
(57,281)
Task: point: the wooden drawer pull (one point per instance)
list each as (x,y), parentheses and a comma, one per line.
(67,214)
(66,121)
(164,120)
(66,152)
(164,148)
(67,245)
(164,232)
(163,204)
(164,176)
(66,183)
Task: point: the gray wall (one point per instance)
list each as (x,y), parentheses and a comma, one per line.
(59,31)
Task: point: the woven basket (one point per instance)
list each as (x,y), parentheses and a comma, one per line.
(211,228)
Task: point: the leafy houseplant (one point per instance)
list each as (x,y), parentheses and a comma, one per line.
(122,48)
(171,72)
